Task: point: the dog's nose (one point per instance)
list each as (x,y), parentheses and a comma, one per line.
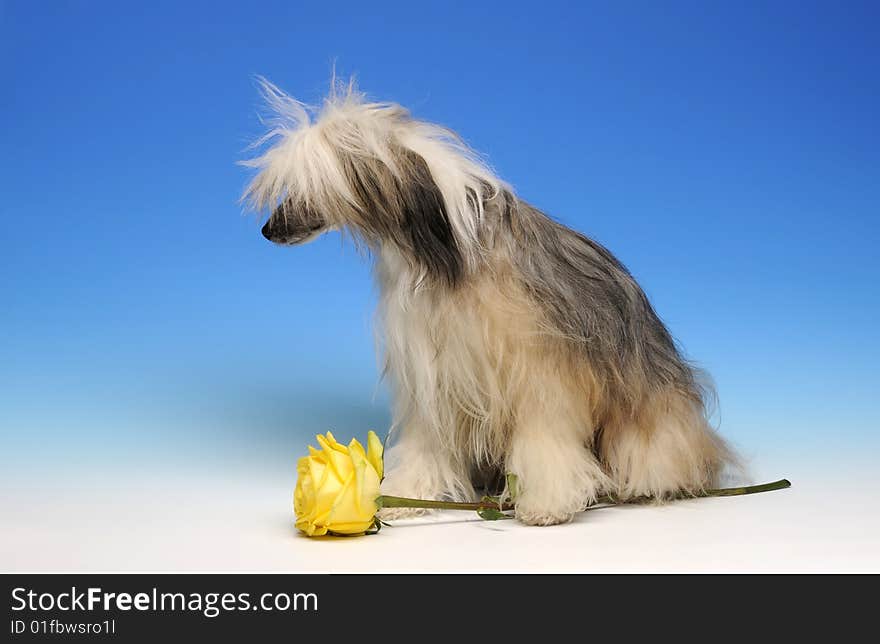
(266,232)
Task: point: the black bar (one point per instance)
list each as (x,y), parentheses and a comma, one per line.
(366,607)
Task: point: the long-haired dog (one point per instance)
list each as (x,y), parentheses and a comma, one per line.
(512,343)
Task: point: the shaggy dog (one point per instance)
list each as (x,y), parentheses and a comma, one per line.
(512,343)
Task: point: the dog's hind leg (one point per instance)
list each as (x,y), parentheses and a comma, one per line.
(669,448)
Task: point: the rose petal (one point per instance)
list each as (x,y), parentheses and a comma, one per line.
(359,461)
(351,529)
(331,440)
(337,460)
(343,509)
(326,485)
(374,453)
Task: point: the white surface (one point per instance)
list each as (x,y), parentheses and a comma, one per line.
(243,523)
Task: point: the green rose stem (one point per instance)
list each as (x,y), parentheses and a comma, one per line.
(404,502)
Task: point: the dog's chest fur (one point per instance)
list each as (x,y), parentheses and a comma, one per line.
(455,356)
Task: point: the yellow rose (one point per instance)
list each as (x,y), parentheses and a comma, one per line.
(337,486)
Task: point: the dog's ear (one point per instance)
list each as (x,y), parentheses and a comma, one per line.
(425,222)
(405,207)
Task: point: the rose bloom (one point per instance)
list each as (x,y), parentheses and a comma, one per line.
(337,486)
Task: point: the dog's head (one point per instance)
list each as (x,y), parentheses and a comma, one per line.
(373,170)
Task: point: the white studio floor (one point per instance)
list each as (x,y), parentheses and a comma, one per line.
(243,523)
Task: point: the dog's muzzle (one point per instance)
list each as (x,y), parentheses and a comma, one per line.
(288,227)
(288,236)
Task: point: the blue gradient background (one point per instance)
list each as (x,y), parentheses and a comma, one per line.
(726,152)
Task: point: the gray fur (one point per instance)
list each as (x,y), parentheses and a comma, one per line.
(595,302)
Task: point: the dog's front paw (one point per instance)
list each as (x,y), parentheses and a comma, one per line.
(402,487)
(392,514)
(542,517)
